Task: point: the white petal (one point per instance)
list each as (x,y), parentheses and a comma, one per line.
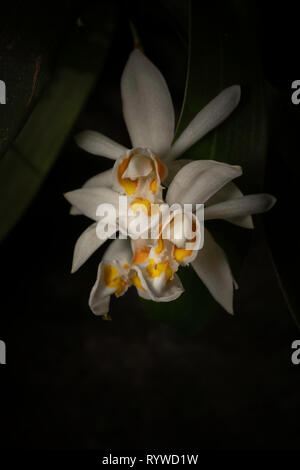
(142,166)
(240,207)
(207,119)
(147,105)
(86,200)
(157,289)
(103,179)
(212,267)
(98,144)
(86,245)
(119,250)
(118,253)
(139,165)
(74,211)
(181,228)
(98,302)
(199,180)
(143,294)
(231,191)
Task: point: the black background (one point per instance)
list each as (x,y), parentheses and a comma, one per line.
(73,381)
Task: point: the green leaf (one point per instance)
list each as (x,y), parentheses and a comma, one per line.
(222,52)
(28,160)
(29,37)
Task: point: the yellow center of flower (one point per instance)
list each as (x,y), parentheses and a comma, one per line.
(128,184)
(180,253)
(168,273)
(157,269)
(143,204)
(160,246)
(113,280)
(141,254)
(154,185)
(135,281)
(161,170)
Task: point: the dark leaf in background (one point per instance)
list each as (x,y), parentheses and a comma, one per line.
(223,52)
(29,37)
(28,159)
(281,68)
(282,179)
(61,387)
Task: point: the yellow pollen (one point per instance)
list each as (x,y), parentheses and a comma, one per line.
(106,317)
(168,273)
(180,254)
(135,280)
(154,185)
(160,246)
(140,203)
(141,254)
(110,274)
(157,269)
(112,280)
(126,266)
(128,184)
(121,288)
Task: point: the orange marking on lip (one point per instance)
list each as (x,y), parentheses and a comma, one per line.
(154,185)
(157,269)
(135,280)
(141,255)
(160,168)
(180,253)
(160,246)
(135,205)
(128,184)
(112,280)
(168,273)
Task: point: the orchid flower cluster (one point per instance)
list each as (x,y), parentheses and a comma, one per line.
(141,175)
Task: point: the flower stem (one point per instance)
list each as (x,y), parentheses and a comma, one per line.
(136,39)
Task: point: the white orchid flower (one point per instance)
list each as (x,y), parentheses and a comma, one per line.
(113,276)
(116,274)
(158,260)
(209,183)
(138,173)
